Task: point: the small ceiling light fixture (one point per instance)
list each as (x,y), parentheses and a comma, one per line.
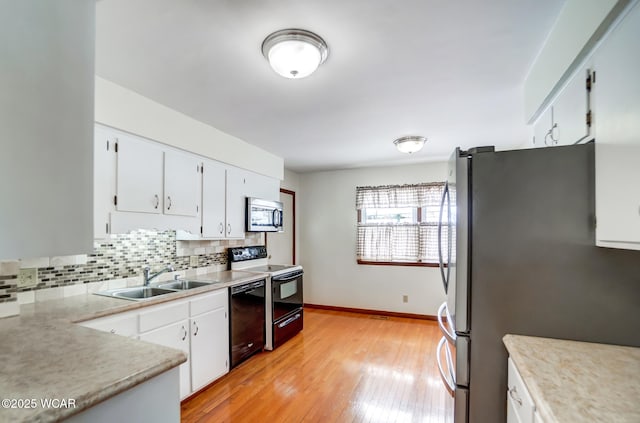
(410,143)
(294,53)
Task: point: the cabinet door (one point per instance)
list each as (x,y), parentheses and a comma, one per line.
(236,203)
(209,347)
(47,118)
(570,111)
(181,184)
(213,199)
(541,129)
(123,324)
(104,180)
(616,117)
(176,336)
(261,186)
(139,175)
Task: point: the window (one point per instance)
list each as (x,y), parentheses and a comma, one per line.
(398,224)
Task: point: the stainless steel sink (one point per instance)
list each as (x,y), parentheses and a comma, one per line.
(181,285)
(137,293)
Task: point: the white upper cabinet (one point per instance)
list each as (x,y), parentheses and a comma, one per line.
(236,202)
(46,115)
(213,199)
(571,111)
(617,122)
(139,175)
(142,184)
(261,186)
(104,180)
(567,120)
(542,129)
(181,184)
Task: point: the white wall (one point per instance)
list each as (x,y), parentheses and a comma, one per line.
(124,109)
(328,245)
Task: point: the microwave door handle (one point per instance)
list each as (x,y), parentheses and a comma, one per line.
(445,281)
(275,218)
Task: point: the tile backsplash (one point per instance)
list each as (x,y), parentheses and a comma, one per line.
(120,257)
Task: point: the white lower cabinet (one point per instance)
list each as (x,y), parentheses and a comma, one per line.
(198,325)
(520,405)
(209,339)
(168,325)
(124,324)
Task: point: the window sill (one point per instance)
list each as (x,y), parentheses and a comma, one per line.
(398,263)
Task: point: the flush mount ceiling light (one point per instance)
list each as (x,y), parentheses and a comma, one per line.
(294,53)
(410,144)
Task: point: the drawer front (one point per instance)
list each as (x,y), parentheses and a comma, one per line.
(163,315)
(518,395)
(208,302)
(124,325)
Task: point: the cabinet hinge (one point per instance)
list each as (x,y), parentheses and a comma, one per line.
(588,119)
(588,82)
(115,200)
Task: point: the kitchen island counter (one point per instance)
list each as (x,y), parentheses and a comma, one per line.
(573,381)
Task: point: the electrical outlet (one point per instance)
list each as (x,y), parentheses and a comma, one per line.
(27,278)
(405,298)
(193,261)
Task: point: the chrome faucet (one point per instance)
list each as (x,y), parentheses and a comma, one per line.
(146,273)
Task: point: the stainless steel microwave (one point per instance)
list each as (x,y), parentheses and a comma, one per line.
(264,215)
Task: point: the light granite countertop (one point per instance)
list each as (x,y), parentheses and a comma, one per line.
(572,381)
(44,355)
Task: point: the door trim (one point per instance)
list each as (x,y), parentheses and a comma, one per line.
(293,223)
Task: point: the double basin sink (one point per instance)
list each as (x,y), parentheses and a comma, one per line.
(140,293)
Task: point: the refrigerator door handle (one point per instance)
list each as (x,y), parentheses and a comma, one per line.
(449,382)
(446,331)
(445,279)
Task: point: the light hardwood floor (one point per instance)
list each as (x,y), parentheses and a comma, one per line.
(343,367)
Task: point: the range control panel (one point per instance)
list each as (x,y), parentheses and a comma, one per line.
(247,253)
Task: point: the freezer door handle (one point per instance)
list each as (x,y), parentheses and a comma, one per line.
(445,197)
(449,382)
(448,332)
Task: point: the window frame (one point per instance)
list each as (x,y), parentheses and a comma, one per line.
(419,215)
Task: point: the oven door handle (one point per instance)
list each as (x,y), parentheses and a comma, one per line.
(449,382)
(289,320)
(285,279)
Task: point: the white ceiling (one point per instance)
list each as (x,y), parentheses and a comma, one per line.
(449,70)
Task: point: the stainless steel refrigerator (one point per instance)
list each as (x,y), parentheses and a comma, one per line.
(519,257)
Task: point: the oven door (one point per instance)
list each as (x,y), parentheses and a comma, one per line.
(286,294)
